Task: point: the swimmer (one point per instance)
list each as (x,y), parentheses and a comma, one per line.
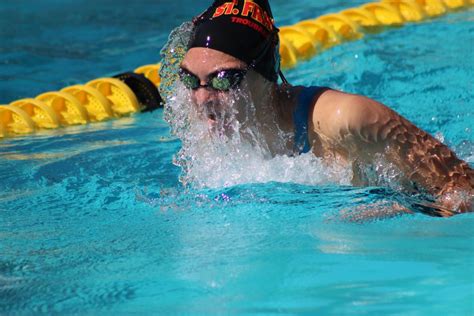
(236,41)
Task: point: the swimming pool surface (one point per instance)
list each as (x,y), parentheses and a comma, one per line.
(93,219)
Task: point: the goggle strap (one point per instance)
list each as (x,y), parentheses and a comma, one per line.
(282,77)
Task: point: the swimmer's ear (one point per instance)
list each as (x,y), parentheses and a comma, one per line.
(145,91)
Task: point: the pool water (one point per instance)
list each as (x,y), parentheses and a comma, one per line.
(94,220)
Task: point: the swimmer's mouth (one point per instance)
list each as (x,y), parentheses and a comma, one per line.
(211,115)
(218,123)
(216,119)
(212,118)
(212,121)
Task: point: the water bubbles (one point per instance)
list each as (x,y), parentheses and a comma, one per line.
(439,136)
(381,172)
(171,56)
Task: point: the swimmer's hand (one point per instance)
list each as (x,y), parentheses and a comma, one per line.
(382,210)
(458,201)
(373,212)
(447,205)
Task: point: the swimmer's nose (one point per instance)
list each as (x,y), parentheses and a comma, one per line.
(204,96)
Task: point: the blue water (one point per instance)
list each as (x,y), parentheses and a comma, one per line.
(93,219)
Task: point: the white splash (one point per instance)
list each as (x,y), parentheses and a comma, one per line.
(235,152)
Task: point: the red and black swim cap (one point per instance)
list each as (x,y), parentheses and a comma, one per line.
(243,29)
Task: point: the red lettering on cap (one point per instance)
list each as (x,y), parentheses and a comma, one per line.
(226,8)
(257,14)
(249,7)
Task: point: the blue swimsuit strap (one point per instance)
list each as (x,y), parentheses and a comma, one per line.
(307,97)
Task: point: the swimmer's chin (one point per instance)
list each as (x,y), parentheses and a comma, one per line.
(210,119)
(211,124)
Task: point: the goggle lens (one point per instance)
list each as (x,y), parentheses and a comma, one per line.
(221,84)
(190,81)
(223,80)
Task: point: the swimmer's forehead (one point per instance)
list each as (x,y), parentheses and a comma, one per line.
(206,60)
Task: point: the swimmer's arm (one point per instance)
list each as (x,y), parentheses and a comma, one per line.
(362,127)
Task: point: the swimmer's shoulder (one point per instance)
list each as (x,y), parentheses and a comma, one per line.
(338,115)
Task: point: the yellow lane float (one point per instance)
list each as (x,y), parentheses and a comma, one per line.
(361,17)
(68,108)
(14,120)
(121,97)
(151,72)
(42,115)
(96,104)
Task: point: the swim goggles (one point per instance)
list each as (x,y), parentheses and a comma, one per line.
(222,80)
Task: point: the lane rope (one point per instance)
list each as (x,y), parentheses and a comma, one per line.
(109,98)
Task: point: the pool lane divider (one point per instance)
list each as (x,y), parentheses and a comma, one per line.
(124,94)
(98,100)
(307,38)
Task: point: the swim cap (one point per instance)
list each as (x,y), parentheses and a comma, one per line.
(243,29)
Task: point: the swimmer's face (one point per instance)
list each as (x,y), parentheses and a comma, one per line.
(204,68)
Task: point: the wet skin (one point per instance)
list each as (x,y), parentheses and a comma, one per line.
(352,129)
